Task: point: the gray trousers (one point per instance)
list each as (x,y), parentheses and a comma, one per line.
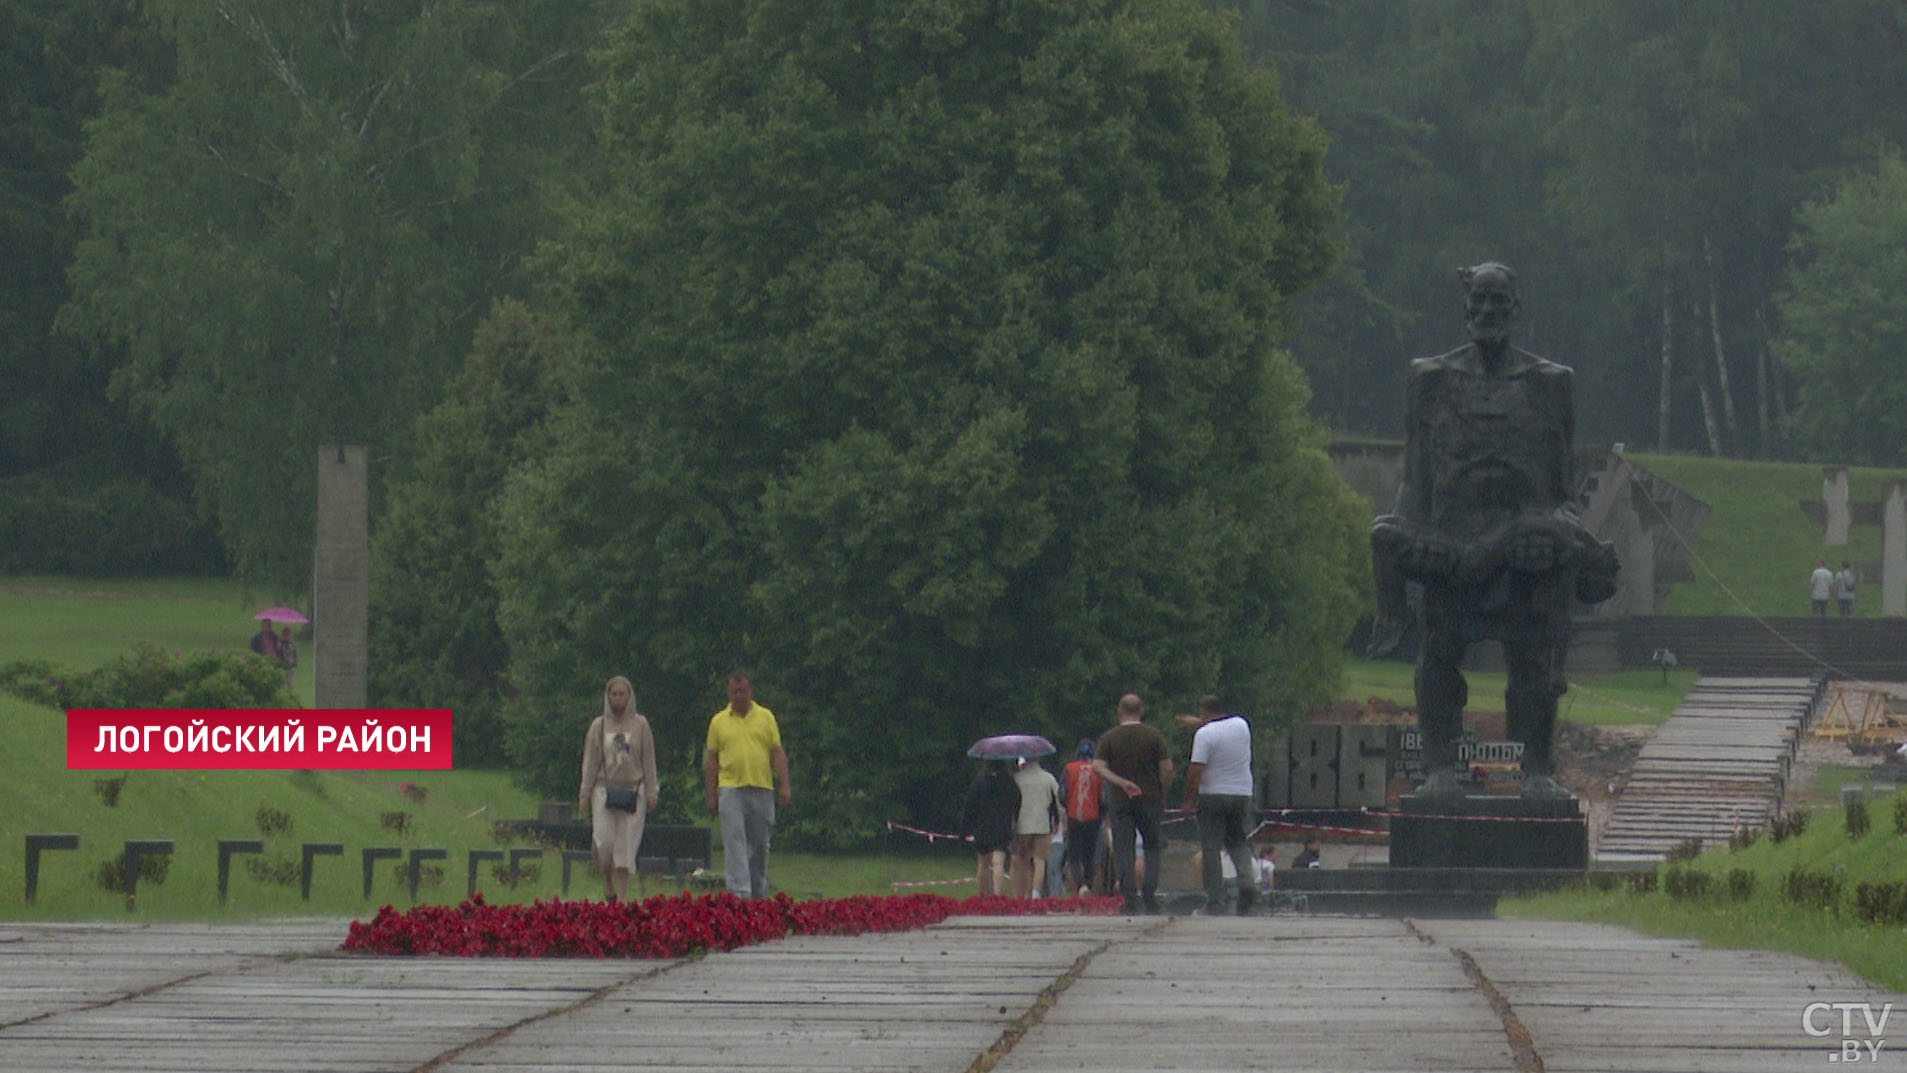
(748,816)
(1224,827)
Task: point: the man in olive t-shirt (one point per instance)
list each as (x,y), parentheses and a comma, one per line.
(1132,759)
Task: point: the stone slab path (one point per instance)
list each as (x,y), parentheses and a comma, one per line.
(1019,994)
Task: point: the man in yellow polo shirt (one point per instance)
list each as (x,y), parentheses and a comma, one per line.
(741,769)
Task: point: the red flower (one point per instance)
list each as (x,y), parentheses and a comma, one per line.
(668,926)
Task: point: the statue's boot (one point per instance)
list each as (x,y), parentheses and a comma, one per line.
(1441,783)
(1544,788)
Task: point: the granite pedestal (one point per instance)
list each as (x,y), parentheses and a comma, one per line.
(1488,832)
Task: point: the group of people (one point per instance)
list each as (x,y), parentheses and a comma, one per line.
(280,648)
(1120,781)
(1013,808)
(1838,585)
(744,775)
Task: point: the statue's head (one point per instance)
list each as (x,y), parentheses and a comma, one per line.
(1490,303)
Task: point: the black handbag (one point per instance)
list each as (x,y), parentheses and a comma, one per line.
(620,800)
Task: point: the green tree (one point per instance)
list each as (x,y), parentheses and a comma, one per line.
(939,381)
(85,487)
(1843,319)
(291,238)
(1435,137)
(434,602)
(1638,161)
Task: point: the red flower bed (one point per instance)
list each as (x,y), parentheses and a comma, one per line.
(667,926)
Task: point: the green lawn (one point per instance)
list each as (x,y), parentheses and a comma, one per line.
(1765,920)
(82,623)
(1642,696)
(1758,547)
(198,808)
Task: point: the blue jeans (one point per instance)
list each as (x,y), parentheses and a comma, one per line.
(748,817)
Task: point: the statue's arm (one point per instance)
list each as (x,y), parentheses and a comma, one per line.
(1563,389)
(1393,535)
(1413,492)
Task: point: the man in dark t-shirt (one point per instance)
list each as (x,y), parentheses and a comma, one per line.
(1132,759)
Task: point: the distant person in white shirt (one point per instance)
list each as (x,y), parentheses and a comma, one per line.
(1218,784)
(1844,583)
(1821,587)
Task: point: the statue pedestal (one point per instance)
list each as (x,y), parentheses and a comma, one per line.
(1488,832)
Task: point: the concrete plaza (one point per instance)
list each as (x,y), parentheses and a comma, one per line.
(1286,992)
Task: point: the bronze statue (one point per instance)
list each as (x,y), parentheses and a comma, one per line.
(1486,531)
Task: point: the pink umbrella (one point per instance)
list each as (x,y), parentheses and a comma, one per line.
(1007,746)
(281,613)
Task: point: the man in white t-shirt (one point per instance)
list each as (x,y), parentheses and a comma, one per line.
(1820,588)
(1218,784)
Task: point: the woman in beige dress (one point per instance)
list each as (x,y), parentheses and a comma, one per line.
(619,755)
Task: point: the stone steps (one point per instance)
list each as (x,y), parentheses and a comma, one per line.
(1720,763)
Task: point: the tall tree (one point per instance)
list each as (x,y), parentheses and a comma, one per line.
(1685,136)
(1638,161)
(1843,320)
(938,379)
(292,238)
(434,599)
(86,487)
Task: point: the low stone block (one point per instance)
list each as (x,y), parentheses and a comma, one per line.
(1488,831)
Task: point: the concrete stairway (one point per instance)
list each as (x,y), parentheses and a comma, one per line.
(1719,763)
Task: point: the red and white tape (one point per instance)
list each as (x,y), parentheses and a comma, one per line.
(901,884)
(931,836)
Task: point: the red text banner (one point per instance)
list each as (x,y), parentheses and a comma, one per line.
(402,739)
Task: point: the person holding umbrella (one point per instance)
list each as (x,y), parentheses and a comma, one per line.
(282,651)
(988,817)
(265,642)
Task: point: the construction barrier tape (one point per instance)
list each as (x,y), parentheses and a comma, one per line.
(900,884)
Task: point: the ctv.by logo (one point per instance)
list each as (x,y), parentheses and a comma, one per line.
(1818,1018)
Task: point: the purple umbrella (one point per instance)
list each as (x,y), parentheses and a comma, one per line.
(281,613)
(1008,746)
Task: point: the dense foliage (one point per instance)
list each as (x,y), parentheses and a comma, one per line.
(293,226)
(150,677)
(936,377)
(1640,162)
(289,218)
(83,487)
(86,517)
(434,618)
(1844,318)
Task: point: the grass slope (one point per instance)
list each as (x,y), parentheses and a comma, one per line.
(198,808)
(1644,697)
(82,623)
(1757,548)
(78,624)
(1765,921)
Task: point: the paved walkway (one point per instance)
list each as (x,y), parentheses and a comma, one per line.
(1030,994)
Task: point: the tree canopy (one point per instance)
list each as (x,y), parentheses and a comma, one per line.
(434,613)
(935,374)
(1640,163)
(290,234)
(1844,319)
